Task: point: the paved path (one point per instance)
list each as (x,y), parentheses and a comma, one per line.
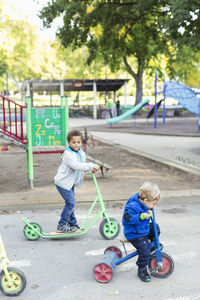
(182,151)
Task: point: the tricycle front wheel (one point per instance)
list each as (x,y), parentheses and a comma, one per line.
(16,286)
(168,266)
(102,273)
(109,231)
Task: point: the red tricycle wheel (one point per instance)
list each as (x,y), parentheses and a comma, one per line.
(168,265)
(102,273)
(114,249)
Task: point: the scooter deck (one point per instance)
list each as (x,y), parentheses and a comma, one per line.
(65,233)
(58,235)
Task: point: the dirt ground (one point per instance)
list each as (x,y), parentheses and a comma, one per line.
(127,173)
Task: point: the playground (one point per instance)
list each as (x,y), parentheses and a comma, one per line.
(46,131)
(128,170)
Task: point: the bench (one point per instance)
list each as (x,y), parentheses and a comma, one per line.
(174,110)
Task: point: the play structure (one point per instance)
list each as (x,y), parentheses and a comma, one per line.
(186,98)
(109,227)
(161,264)
(43,130)
(12,280)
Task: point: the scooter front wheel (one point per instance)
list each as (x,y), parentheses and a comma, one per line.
(102,273)
(109,232)
(16,286)
(168,266)
(30,232)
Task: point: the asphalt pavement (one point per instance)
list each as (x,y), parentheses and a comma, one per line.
(63,269)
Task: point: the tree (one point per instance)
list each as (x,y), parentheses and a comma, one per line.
(116,30)
(182,23)
(119,30)
(17,39)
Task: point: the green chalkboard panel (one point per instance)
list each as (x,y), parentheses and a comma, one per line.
(48,126)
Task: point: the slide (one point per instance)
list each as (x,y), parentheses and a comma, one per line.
(151,112)
(184,95)
(128,113)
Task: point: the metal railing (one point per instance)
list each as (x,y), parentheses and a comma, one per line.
(12,117)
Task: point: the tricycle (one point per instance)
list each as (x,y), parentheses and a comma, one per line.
(161,265)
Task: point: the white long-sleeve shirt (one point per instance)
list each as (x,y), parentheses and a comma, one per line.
(71,170)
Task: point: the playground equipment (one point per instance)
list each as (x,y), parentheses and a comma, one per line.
(129,113)
(151,112)
(161,265)
(12,280)
(46,128)
(185,96)
(109,227)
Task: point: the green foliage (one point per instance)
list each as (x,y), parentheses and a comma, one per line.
(112,30)
(182,23)
(184,66)
(117,31)
(105,39)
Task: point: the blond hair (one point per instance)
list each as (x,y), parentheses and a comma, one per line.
(149,192)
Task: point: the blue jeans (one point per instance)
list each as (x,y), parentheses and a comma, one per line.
(67,215)
(142,245)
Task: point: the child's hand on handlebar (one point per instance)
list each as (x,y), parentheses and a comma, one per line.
(95,169)
(144,216)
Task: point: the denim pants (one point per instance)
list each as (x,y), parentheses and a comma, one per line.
(67,215)
(142,245)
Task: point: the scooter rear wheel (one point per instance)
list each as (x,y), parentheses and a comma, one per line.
(102,273)
(168,266)
(114,249)
(109,232)
(30,233)
(18,285)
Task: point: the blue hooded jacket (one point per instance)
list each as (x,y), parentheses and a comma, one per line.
(133,226)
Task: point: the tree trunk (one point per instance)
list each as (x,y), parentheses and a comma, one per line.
(137,77)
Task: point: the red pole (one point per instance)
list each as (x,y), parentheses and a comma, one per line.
(21,119)
(15,119)
(9,116)
(4,115)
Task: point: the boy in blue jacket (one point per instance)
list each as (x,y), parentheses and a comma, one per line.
(69,175)
(136,224)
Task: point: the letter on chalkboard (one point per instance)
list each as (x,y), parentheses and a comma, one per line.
(57,130)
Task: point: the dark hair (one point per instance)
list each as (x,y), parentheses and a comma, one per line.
(74,133)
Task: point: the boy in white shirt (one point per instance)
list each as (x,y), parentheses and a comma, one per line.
(71,174)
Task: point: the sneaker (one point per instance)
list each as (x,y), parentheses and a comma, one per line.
(143,274)
(76,226)
(65,228)
(72,225)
